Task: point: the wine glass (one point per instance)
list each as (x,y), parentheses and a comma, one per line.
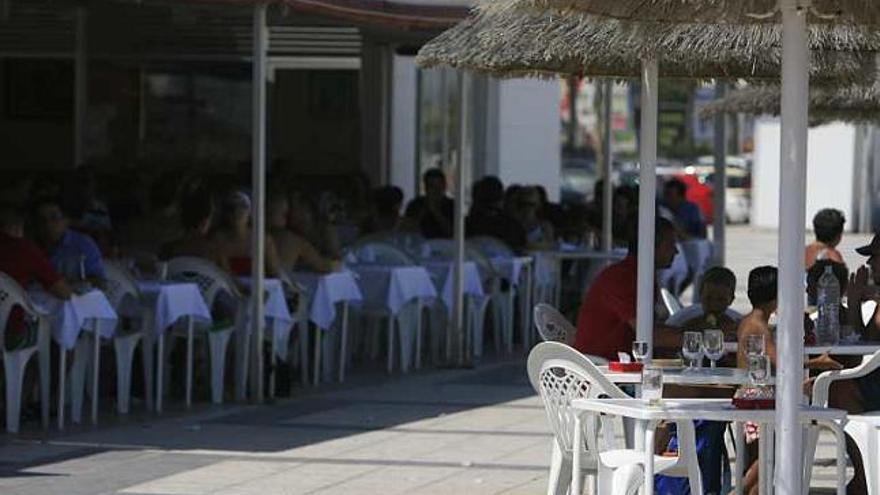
(640,350)
(756,344)
(758,369)
(713,345)
(692,348)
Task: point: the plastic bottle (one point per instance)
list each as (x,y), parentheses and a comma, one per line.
(828,302)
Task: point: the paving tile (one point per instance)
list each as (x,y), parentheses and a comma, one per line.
(211,478)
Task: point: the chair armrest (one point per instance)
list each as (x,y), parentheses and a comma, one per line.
(823,381)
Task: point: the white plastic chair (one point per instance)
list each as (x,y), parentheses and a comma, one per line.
(553,326)
(390,254)
(863,428)
(125,297)
(561,374)
(15,362)
(212,283)
(673,305)
(477,307)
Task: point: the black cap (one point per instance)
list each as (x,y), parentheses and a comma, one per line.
(870,249)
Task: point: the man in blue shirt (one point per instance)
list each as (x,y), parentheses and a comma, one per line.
(74,255)
(687,215)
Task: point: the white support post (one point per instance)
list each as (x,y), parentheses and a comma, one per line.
(719,183)
(259,188)
(647,204)
(792,212)
(80,87)
(607,186)
(458,226)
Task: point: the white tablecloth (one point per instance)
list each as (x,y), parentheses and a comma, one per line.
(325,291)
(442,274)
(80,312)
(391,287)
(276,311)
(168,302)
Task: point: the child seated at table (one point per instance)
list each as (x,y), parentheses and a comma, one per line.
(763,297)
(717,291)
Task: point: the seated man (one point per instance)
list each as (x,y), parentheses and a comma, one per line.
(828,227)
(717,292)
(196,215)
(25,262)
(73,254)
(687,216)
(607,318)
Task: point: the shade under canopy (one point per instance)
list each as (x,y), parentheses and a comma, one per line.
(850,104)
(519,41)
(749,11)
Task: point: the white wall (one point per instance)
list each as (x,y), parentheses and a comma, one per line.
(528,134)
(830,161)
(403,125)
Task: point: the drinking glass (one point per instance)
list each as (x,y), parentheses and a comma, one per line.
(713,345)
(692,348)
(652,385)
(755,344)
(640,350)
(758,369)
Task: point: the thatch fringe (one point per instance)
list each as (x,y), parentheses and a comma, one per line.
(502,39)
(851,104)
(735,11)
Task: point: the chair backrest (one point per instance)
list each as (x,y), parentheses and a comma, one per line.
(445,249)
(552,325)
(120,287)
(673,305)
(868,309)
(212,281)
(12,295)
(378,252)
(410,242)
(560,374)
(823,382)
(491,246)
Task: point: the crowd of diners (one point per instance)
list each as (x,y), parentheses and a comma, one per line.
(607,320)
(57,231)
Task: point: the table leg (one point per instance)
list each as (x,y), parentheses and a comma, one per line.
(739,439)
(189,361)
(317,378)
(418,359)
(272,366)
(96,372)
(147,359)
(576,443)
(840,438)
(303,331)
(344,341)
(62,385)
(527,319)
(648,485)
(160,371)
(557,296)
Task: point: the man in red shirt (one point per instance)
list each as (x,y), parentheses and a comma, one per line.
(22,260)
(607,318)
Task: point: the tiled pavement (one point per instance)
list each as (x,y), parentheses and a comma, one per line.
(442,432)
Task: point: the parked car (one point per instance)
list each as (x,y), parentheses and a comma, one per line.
(738,201)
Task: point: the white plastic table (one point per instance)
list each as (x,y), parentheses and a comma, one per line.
(400,292)
(647,418)
(519,271)
(324,292)
(166,303)
(92,312)
(857,349)
(680,376)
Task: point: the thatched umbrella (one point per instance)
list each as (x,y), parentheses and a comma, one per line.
(851,104)
(795,15)
(519,42)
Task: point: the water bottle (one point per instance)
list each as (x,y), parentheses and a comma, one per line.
(828,301)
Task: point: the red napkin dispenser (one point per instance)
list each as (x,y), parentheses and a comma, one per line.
(618,367)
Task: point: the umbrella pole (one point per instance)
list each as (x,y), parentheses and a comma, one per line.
(81,90)
(647,206)
(259,190)
(607,186)
(792,212)
(458,226)
(719,186)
